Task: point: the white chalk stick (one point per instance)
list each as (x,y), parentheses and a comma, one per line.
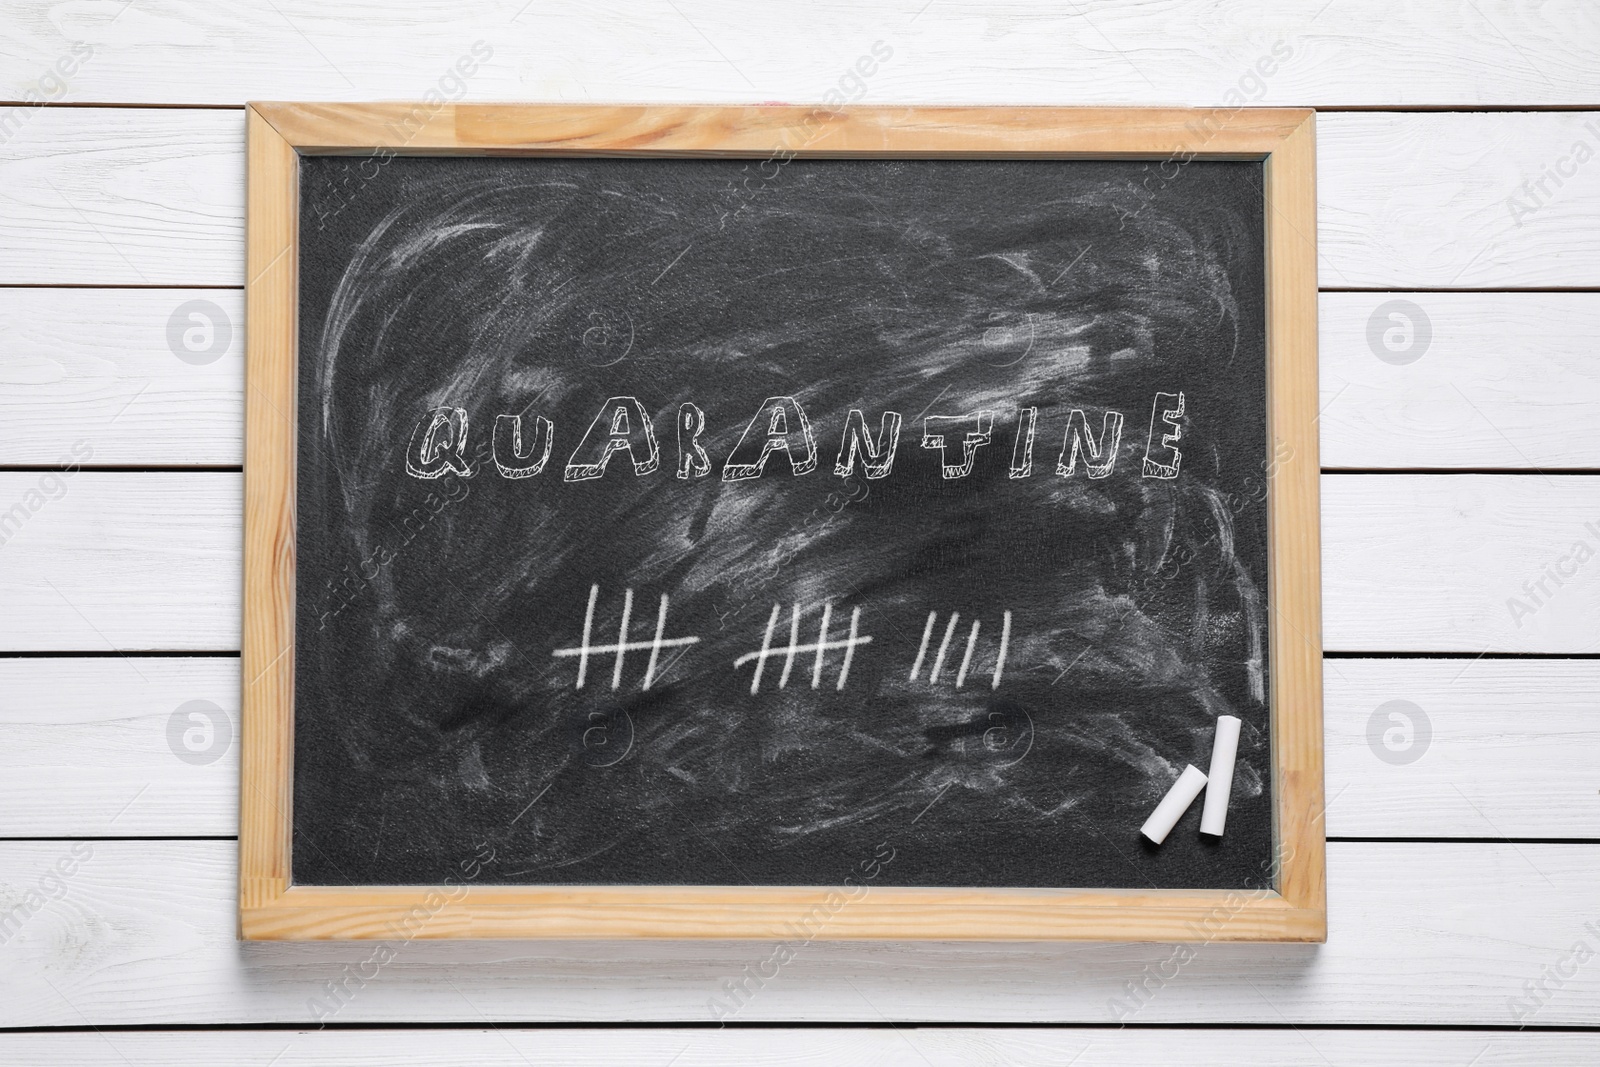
(1174,804)
(1223,750)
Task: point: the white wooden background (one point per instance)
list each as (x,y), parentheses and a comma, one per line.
(1463,872)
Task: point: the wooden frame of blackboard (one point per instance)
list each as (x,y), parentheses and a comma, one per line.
(270,907)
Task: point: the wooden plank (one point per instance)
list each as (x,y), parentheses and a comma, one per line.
(1419,933)
(1299,52)
(1411,563)
(1461,380)
(141,376)
(110,747)
(1496,748)
(1462,748)
(885,1047)
(1502,379)
(1461,563)
(123,197)
(96,562)
(1499,200)
(99,196)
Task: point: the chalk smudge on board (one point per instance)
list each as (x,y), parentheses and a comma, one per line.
(504,286)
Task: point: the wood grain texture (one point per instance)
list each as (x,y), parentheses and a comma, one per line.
(128,197)
(1471,748)
(1459,953)
(1506,380)
(1411,562)
(88,748)
(266,660)
(1419,933)
(130,372)
(1406,200)
(696,912)
(1507,749)
(1193,52)
(1295,559)
(1482,380)
(1471,200)
(904,1047)
(101,562)
(918,132)
(1451,563)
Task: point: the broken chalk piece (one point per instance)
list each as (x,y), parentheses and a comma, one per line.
(1174,804)
(1223,750)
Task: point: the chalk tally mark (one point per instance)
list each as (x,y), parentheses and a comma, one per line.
(941,656)
(819,649)
(584,650)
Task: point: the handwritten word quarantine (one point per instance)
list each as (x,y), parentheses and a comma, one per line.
(622,435)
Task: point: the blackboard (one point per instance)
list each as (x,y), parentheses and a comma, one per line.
(670,521)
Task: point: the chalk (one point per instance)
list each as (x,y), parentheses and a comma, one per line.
(1223,749)
(1174,804)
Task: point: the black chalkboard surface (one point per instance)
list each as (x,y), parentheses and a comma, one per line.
(695,521)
